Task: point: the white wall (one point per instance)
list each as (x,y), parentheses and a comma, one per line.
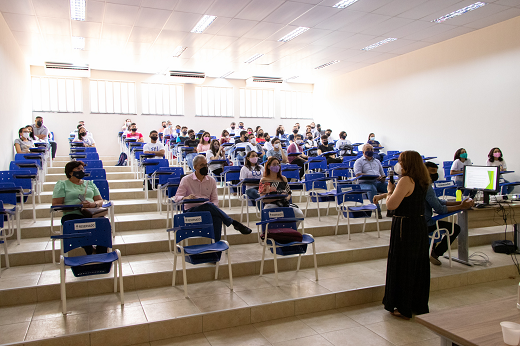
(464,92)
(105,126)
(15,108)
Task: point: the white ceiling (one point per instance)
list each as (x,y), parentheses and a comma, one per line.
(140,35)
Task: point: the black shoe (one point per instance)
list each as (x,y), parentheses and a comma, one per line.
(379,216)
(241,228)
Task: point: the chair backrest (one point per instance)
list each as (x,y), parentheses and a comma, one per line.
(83,150)
(231,173)
(92,164)
(340,170)
(104,189)
(96,174)
(291,171)
(32,156)
(349,197)
(8,197)
(14,166)
(6,177)
(174,172)
(150,169)
(25,183)
(311,183)
(100,229)
(319,162)
(172,190)
(201,219)
(278,213)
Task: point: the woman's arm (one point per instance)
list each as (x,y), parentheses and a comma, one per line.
(58,201)
(402,190)
(19,149)
(284,156)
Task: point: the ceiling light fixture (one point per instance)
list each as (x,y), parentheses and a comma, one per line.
(380,43)
(253,58)
(293,34)
(77,9)
(327,64)
(227,74)
(78,42)
(459,12)
(344,3)
(178,51)
(293,77)
(203,24)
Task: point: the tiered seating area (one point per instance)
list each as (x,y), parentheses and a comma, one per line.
(351,272)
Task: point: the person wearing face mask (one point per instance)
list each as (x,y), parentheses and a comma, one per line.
(200,185)
(271,184)
(204,144)
(183,135)
(300,160)
(252,170)
(154,147)
(267,144)
(460,159)
(314,130)
(232,129)
(495,159)
(277,152)
(293,134)
(192,142)
(134,134)
(344,145)
(260,136)
(254,145)
(23,143)
(126,125)
(311,145)
(241,126)
(326,147)
(84,137)
(40,131)
(163,126)
(280,132)
(319,130)
(441,206)
(368,165)
(67,192)
(216,152)
(372,140)
(224,137)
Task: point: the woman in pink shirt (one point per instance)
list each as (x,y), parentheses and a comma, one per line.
(297,147)
(204,144)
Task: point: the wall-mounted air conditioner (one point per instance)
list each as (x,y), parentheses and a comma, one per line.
(66,69)
(263,82)
(180,77)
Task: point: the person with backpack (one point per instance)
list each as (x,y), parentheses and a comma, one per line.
(344,145)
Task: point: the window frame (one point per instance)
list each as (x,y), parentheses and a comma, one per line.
(254,102)
(121,97)
(178,99)
(77,97)
(299,94)
(229,98)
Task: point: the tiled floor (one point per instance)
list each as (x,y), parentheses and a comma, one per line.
(367,324)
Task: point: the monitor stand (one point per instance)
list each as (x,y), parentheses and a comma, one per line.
(486,198)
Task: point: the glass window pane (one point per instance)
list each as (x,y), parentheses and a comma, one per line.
(158,100)
(166,99)
(144,98)
(62,98)
(180,100)
(53,94)
(198,101)
(46,106)
(204,101)
(78,95)
(36,94)
(131,98)
(69,94)
(110,97)
(102,97)
(94,108)
(117,97)
(124,98)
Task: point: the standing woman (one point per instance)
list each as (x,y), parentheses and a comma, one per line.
(23,143)
(204,144)
(407,287)
(495,159)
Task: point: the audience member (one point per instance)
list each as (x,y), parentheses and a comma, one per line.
(293,134)
(326,147)
(300,160)
(277,152)
(328,132)
(42,134)
(204,143)
(231,129)
(319,130)
(126,125)
(441,207)
(183,136)
(31,133)
(254,146)
(372,140)
(273,182)
(23,143)
(199,185)
(224,138)
(216,152)
(134,134)
(343,145)
(241,126)
(260,136)
(154,147)
(311,145)
(67,192)
(368,165)
(315,132)
(250,131)
(83,136)
(267,145)
(252,170)
(495,159)
(163,126)
(192,142)
(280,132)
(460,160)
(243,137)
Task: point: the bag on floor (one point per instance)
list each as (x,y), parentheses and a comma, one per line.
(122,160)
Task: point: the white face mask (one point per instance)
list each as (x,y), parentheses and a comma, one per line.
(128,124)
(277,145)
(253,141)
(372,138)
(397,168)
(26,135)
(298,142)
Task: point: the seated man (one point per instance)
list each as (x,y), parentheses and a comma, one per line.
(254,145)
(134,134)
(344,145)
(199,185)
(155,147)
(368,165)
(191,142)
(324,147)
(441,207)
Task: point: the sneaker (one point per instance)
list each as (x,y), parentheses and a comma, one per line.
(435,261)
(242,229)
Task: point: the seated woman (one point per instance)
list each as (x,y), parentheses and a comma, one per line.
(82,136)
(260,136)
(495,159)
(251,170)
(278,152)
(216,152)
(273,182)
(460,159)
(372,140)
(23,143)
(204,143)
(300,160)
(224,138)
(32,137)
(67,192)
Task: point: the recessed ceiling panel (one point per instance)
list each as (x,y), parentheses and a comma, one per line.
(95,11)
(196,40)
(356,41)
(409,29)
(28,38)
(125,2)
(16,6)
(227,8)
(366,22)
(160,4)
(288,12)
(220,42)
(395,7)
(457,31)
(259,9)
(86,29)
(427,8)
(182,21)
(340,19)
(263,31)
(144,35)
(169,37)
(315,16)
(52,8)
(121,14)
(55,26)
(217,25)
(429,32)
(197,6)
(116,32)
(496,18)
(21,22)
(152,18)
(387,26)
(237,27)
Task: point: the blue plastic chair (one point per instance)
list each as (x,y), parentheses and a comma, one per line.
(200,225)
(84,156)
(160,180)
(84,232)
(317,191)
(10,195)
(353,193)
(171,189)
(293,172)
(6,216)
(230,174)
(316,163)
(79,150)
(283,218)
(446,188)
(104,191)
(244,199)
(92,164)
(446,166)
(95,174)
(150,166)
(27,178)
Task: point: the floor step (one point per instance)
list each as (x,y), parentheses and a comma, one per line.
(53,178)
(122,169)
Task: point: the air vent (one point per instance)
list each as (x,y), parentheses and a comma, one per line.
(66,69)
(188,77)
(263,82)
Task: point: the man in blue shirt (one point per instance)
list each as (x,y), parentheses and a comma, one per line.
(368,165)
(441,207)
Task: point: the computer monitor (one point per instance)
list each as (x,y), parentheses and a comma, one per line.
(482,178)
